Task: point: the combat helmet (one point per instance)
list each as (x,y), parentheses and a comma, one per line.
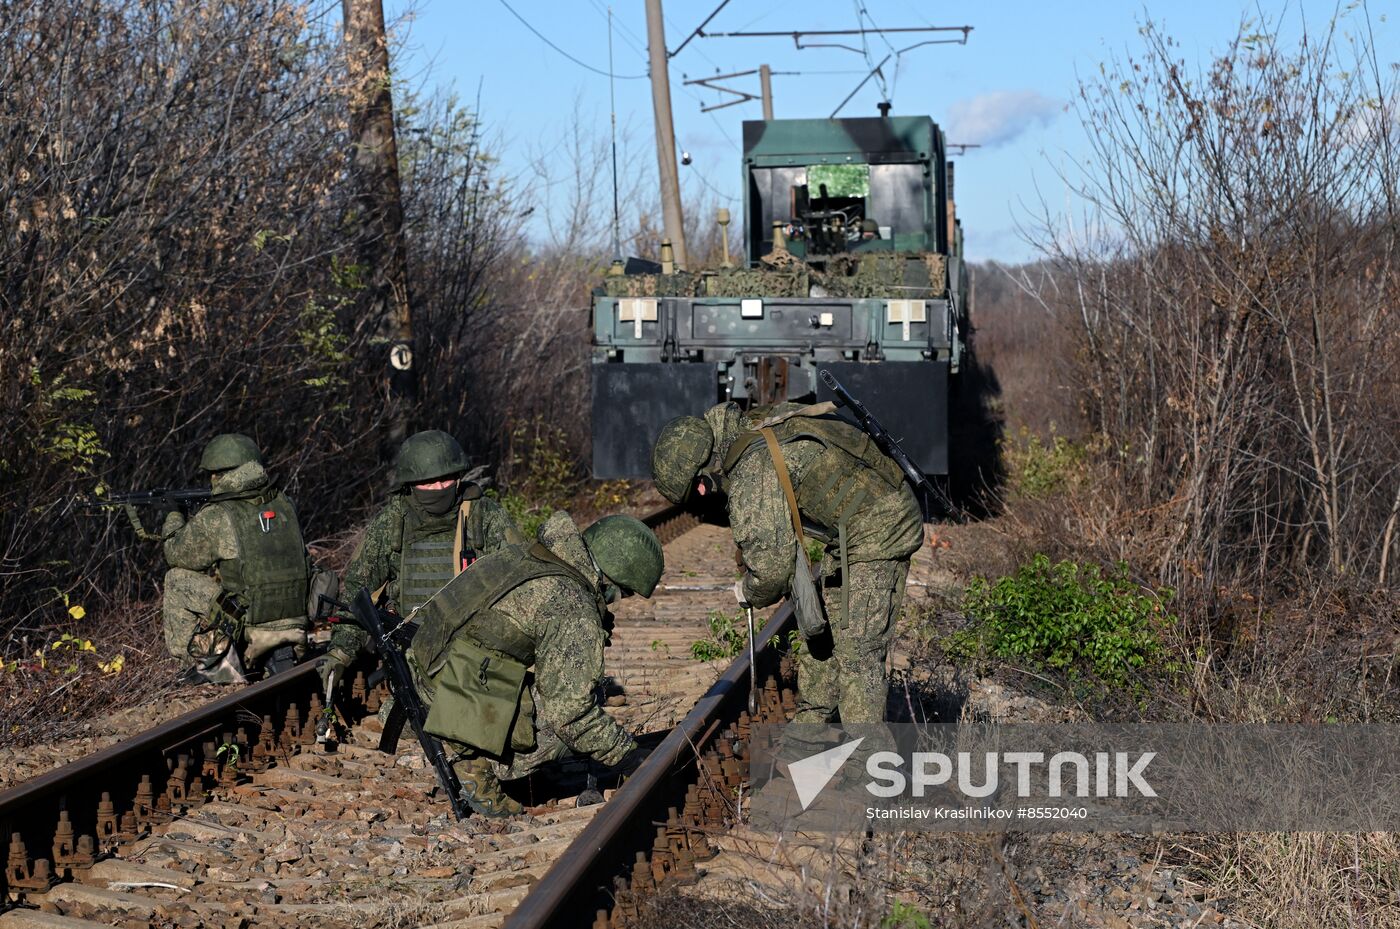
(627,551)
(681,450)
(425,456)
(229,450)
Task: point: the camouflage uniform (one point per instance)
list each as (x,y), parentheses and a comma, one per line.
(564,622)
(379,557)
(881,536)
(207,545)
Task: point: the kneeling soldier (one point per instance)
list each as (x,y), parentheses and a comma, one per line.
(541,606)
(434,525)
(237,586)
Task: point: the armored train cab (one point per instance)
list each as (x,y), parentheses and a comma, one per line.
(853,263)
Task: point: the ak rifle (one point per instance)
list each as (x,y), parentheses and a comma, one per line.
(866,421)
(163,497)
(408,705)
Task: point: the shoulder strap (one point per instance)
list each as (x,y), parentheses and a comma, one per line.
(457,539)
(784,479)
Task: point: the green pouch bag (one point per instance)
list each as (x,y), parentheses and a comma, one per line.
(477,697)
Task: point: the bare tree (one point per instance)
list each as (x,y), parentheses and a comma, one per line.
(1237,301)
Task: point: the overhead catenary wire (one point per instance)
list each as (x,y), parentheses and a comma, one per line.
(582,64)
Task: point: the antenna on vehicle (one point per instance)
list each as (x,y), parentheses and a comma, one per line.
(612,102)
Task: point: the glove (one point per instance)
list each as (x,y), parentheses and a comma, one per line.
(332,665)
(631,761)
(739,593)
(174,522)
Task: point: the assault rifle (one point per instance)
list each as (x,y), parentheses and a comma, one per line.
(162,497)
(923,487)
(408,705)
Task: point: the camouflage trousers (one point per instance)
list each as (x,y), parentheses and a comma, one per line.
(188,602)
(852,680)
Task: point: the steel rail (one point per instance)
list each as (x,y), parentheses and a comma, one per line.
(30,809)
(30,812)
(577,886)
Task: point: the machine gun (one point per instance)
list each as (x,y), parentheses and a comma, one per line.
(923,487)
(408,705)
(165,498)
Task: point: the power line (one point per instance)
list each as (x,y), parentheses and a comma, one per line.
(581,64)
(699,30)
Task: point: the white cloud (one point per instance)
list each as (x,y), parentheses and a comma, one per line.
(998,117)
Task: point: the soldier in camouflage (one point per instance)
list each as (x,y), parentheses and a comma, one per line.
(434,525)
(237,586)
(541,606)
(849,494)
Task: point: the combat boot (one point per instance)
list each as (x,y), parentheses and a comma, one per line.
(481,789)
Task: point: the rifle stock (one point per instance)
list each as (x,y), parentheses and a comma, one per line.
(406,700)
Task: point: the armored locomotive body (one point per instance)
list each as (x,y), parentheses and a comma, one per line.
(853,263)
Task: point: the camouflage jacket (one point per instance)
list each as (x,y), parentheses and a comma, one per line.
(889,528)
(375,563)
(563,620)
(208,537)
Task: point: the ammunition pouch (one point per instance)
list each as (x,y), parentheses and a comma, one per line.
(480,700)
(219,630)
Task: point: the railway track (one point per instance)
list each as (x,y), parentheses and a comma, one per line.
(233,815)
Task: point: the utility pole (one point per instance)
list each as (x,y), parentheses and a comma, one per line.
(765,81)
(671,213)
(375,166)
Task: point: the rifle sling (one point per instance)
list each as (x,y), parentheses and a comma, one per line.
(784,479)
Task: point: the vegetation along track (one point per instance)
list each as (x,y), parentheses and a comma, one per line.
(234,816)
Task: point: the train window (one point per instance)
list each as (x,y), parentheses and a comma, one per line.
(897,198)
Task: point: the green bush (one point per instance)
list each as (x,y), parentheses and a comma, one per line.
(1068,617)
(728,637)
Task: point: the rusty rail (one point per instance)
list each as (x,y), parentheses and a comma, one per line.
(607,864)
(60,822)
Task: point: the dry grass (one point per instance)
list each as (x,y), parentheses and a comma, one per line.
(49,693)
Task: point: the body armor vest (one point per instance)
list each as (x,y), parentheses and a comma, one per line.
(269,576)
(425,557)
(467,603)
(850,473)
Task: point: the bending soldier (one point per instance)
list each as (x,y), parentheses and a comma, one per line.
(434,525)
(239,571)
(844,490)
(541,606)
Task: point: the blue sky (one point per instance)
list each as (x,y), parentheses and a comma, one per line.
(1007,88)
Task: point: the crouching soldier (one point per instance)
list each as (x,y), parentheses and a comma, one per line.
(799,470)
(236,591)
(540,607)
(434,525)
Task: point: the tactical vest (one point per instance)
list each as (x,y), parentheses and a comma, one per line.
(426,552)
(269,576)
(468,601)
(850,472)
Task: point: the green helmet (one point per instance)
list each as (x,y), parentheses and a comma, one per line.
(627,551)
(680,452)
(425,456)
(229,451)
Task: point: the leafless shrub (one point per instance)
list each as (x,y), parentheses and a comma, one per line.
(175,261)
(1236,296)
